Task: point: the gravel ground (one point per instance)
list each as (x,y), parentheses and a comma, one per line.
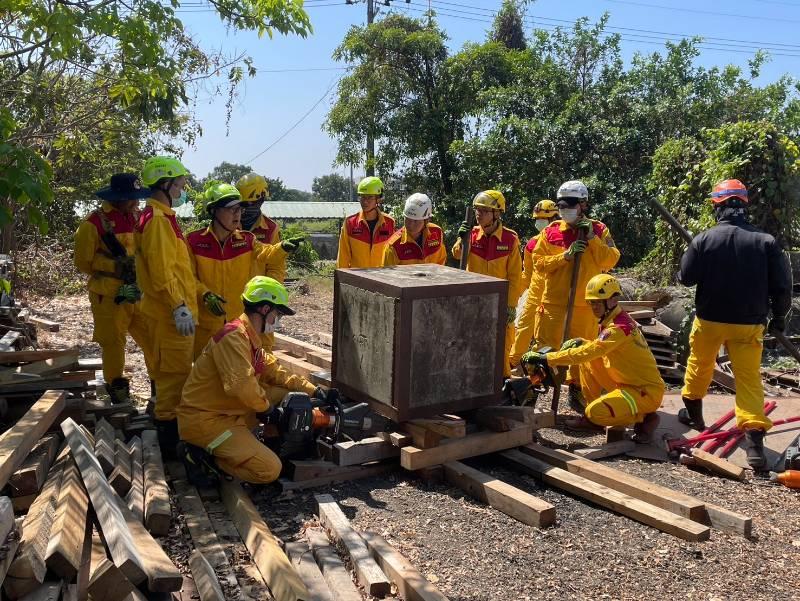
(474,553)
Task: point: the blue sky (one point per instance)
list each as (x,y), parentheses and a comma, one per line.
(294,74)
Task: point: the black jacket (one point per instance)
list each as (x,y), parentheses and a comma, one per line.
(741,273)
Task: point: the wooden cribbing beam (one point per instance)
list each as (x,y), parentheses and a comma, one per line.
(454,449)
(30,477)
(121,477)
(11,546)
(500,495)
(106,581)
(276,569)
(47,591)
(17,442)
(112,522)
(369,575)
(135,496)
(104,445)
(363,451)
(411,585)
(6,518)
(65,547)
(302,559)
(628,506)
(336,575)
(449,426)
(715,464)
(156,494)
(205,579)
(45,367)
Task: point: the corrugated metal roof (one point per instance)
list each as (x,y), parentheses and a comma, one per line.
(309,209)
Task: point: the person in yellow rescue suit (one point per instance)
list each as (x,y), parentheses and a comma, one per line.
(419,240)
(105,249)
(742,275)
(169,292)
(224,259)
(618,373)
(494,250)
(545,212)
(232,383)
(364,236)
(556,249)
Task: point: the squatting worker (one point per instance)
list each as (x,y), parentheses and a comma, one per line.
(364,235)
(618,373)
(556,249)
(545,212)
(234,380)
(494,250)
(419,240)
(169,293)
(741,275)
(105,250)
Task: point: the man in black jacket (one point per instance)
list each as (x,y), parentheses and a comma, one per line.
(741,274)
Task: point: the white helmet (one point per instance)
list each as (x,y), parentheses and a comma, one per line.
(574,188)
(418,206)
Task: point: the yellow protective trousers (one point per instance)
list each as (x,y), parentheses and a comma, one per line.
(172,362)
(549,328)
(112,324)
(609,404)
(744,344)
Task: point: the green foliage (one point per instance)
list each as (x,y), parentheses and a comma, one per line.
(305,256)
(686,169)
(332,188)
(228,173)
(508,28)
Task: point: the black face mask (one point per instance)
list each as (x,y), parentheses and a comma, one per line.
(250,214)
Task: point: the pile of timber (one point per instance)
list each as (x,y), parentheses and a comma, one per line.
(787,380)
(304,359)
(659,337)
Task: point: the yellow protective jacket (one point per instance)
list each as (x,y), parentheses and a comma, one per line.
(93,257)
(496,255)
(234,377)
(163,265)
(402,250)
(225,269)
(623,349)
(549,259)
(358,247)
(268,231)
(532,279)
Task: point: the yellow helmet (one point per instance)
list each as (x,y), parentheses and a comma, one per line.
(490,199)
(253,187)
(370,186)
(602,287)
(545,209)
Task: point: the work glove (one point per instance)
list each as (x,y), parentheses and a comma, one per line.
(575,248)
(463,229)
(320,393)
(128,293)
(585,225)
(776,324)
(184,321)
(214,303)
(535,358)
(292,244)
(511,315)
(271,416)
(125,268)
(572,343)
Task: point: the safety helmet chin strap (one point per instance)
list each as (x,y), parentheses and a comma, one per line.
(215,220)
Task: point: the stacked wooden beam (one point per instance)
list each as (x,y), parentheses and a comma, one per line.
(304,359)
(659,337)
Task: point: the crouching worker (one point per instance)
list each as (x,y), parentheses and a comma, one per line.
(232,383)
(618,372)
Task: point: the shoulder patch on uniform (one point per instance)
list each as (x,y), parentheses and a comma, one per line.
(145,217)
(599,228)
(531,245)
(625,323)
(229,327)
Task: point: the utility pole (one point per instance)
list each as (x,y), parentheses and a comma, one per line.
(352,183)
(370,136)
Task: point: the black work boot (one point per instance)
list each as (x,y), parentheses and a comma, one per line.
(644,430)
(201,469)
(576,400)
(755,449)
(167,437)
(119,391)
(692,415)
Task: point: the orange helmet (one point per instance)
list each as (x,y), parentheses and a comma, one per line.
(729,188)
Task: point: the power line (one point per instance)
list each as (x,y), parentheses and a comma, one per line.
(702,12)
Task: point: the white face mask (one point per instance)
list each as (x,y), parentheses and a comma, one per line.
(569,215)
(269,328)
(541,224)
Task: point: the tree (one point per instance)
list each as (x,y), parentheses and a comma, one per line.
(508,28)
(333,188)
(228,173)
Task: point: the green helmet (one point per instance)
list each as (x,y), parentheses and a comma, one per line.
(221,196)
(371,185)
(157,168)
(263,290)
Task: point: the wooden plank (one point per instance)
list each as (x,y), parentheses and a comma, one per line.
(628,506)
(30,477)
(65,547)
(649,492)
(715,464)
(302,559)
(23,504)
(343,474)
(6,518)
(8,341)
(47,324)
(299,367)
(281,578)
(723,379)
(30,356)
(454,449)
(642,314)
(363,451)
(157,512)
(104,445)
(121,477)
(11,546)
(324,338)
(47,591)
(728,521)
(135,496)
(40,386)
(299,348)
(502,418)
(336,576)
(205,579)
(423,438)
(399,439)
(411,585)
(448,426)
(106,581)
(17,442)
(116,533)
(500,495)
(321,359)
(45,367)
(369,575)
(610,449)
